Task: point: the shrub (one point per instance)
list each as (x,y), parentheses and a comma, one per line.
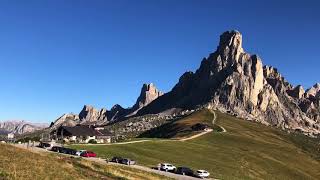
(92,141)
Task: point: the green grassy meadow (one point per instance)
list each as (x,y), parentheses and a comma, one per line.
(246,151)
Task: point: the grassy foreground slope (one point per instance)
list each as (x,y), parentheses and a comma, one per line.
(246,151)
(17,163)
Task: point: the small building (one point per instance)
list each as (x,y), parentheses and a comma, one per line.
(104,136)
(82,134)
(10,136)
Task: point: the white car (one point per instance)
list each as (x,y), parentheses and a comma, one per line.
(167,167)
(202,174)
(78,153)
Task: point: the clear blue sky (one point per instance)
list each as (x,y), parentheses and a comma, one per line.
(58,55)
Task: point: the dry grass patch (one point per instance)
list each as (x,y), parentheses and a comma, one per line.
(18,163)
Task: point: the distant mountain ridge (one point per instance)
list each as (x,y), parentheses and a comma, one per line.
(90,115)
(20,127)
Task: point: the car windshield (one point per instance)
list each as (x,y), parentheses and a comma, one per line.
(200,172)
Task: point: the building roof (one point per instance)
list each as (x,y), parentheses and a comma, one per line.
(80,130)
(104,132)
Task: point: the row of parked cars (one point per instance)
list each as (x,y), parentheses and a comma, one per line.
(183,170)
(59,149)
(82,153)
(163,166)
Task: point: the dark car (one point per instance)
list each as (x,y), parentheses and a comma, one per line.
(184,171)
(117,159)
(128,162)
(71,151)
(56,148)
(44,145)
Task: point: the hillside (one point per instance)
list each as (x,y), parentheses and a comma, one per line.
(247,150)
(17,163)
(181,127)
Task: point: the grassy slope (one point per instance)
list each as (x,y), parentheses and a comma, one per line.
(16,163)
(247,151)
(180,128)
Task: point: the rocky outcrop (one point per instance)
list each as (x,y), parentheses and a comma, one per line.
(89,115)
(92,116)
(313,91)
(148,94)
(68,119)
(234,81)
(20,127)
(297,92)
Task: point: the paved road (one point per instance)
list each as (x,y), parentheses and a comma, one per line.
(104,162)
(143,168)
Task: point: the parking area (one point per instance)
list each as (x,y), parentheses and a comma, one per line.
(119,161)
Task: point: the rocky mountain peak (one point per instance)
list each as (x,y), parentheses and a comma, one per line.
(313,91)
(116,107)
(230,44)
(231,80)
(90,114)
(148,93)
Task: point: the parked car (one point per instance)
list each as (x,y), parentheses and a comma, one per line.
(56,148)
(202,174)
(88,154)
(45,145)
(128,162)
(78,153)
(185,171)
(70,151)
(117,159)
(167,167)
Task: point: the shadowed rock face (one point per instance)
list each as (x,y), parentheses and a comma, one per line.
(234,81)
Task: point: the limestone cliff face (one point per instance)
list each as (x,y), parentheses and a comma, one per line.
(148,93)
(234,81)
(89,114)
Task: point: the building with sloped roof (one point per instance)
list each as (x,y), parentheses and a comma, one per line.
(82,134)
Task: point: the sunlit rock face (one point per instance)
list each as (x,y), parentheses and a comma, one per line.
(234,81)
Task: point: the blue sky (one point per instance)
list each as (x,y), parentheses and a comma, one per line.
(58,55)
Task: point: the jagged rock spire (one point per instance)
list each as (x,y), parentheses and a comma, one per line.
(230,44)
(148,93)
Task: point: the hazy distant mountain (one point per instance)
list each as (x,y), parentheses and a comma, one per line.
(91,115)
(20,127)
(234,81)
